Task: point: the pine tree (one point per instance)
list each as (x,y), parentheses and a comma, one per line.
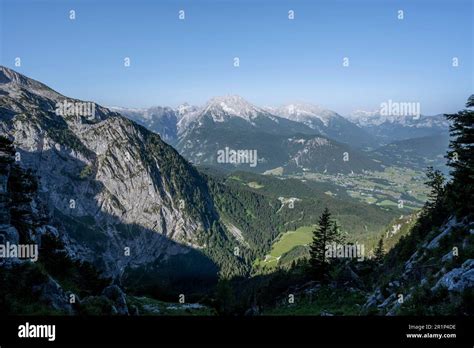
(461,158)
(326,233)
(337,236)
(379,251)
(436,184)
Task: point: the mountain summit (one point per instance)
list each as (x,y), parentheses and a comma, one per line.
(390,128)
(305,113)
(13,81)
(10,76)
(326,122)
(221,109)
(231,105)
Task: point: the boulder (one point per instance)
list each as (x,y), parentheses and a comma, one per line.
(117,296)
(458,279)
(448,228)
(374,299)
(53,295)
(448,257)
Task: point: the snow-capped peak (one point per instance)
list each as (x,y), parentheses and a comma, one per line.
(304,112)
(365,113)
(232,105)
(184,109)
(376,118)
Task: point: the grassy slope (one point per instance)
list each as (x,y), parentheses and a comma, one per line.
(285,243)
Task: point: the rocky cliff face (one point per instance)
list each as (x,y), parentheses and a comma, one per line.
(23,217)
(120,194)
(437,277)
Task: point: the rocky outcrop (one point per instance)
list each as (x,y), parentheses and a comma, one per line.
(120,196)
(53,295)
(446,230)
(117,296)
(431,267)
(458,279)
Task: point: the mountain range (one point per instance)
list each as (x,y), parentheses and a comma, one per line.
(293,138)
(129,203)
(109,202)
(390,128)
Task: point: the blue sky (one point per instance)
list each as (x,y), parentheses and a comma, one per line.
(281,60)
